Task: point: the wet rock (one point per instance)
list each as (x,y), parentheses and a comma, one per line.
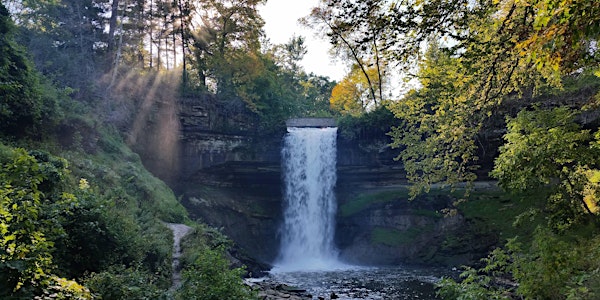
(268,290)
(288,288)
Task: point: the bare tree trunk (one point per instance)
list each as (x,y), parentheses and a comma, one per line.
(356,58)
(182,27)
(158,56)
(117,62)
(358,61)
(167,51)
(165,34)
(141,30)
(113,24)
(378,65)
(151,28)
(174,34)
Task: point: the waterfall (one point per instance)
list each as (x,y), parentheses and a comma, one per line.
(309,175)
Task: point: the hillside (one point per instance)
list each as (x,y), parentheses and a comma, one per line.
(80,216)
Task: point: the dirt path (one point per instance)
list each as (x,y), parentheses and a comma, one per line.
(179,231)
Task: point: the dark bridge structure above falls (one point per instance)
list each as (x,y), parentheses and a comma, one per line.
(311,122)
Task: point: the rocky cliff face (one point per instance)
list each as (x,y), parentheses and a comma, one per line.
(382,226)
(229,177)
(226,177)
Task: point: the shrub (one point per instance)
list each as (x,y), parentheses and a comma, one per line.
(131,283)
(209,278)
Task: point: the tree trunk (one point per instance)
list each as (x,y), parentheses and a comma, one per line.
(113,24)
(167,51)
(378,65)
(174,40)
(116,65)
(182,27)
(151,28)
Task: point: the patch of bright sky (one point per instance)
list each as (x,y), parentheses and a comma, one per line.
(281,23)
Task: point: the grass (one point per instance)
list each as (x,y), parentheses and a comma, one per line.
(116,167)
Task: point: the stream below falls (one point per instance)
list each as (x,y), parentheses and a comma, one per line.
(365,282)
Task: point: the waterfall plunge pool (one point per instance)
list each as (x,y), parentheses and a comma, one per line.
(366,282)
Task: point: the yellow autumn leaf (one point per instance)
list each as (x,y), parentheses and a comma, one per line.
(591,203)
(594,176)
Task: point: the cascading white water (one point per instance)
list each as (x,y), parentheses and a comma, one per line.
(309,168)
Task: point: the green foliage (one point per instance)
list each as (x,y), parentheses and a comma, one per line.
(551,161)
(276,93)
(32,203)
(546,149)
(63,289)
(100,234)
(479,54)
(230,64)
(207,273)
(201,238)
(344,24)
(20,90)
(96,215)
(539,145)
(210,278)
(568,260)
(553,267)
(25,252)
(29,104)
(479,284)
(118,282)
(121,225)
(66,41)
(59,221)
(225,45)
(504,215)
(438,124)
(367,126)
(135,187)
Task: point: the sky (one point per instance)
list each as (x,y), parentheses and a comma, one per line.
(281,23)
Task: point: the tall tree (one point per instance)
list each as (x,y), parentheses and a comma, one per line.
(66,39)
(355,33)
(21,102)
(353,95)
(229,33)
(114,14)
(493,49)
(290,54)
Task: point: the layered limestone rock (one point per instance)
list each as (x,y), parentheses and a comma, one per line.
(381,226)
(228,176)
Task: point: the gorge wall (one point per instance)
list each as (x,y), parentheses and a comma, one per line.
(228,176)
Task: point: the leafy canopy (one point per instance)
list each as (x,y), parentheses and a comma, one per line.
(479,52)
